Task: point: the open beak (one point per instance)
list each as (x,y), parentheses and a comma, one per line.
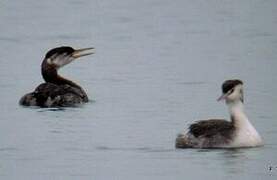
(222,97)
(83,52)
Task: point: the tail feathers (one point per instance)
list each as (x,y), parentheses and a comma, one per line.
(28,100)
(182,141)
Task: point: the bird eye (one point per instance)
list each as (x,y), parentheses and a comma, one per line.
(231,91)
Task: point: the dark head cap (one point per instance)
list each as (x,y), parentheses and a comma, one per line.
(230,84)
(59,50)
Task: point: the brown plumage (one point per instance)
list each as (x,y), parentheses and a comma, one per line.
(211,133)
(212,127)
(53,95)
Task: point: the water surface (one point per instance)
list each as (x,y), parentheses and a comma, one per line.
(159,66)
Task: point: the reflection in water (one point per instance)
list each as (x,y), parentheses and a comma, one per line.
(137,149)
(72,108)
(51,109)
(230,162)
(233,161)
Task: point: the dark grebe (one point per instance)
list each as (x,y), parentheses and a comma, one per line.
(219,133)
(57,91)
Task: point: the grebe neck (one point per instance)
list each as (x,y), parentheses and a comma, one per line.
(245,133)
(50,74)
(238,116)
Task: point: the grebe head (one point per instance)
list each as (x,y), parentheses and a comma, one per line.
(232,91)
(60,56)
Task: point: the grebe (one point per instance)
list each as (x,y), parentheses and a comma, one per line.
(57,91)
(219,133)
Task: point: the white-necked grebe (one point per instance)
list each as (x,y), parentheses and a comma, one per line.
(219,133)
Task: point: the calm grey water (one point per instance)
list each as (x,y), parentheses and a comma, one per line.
(159,66)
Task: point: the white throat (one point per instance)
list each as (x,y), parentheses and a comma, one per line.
(236,110)
(246,135)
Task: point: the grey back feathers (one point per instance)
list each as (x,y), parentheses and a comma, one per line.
(213,133)
(52,95)
(212,127)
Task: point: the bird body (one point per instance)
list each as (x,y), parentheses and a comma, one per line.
(219,133)
(53,95)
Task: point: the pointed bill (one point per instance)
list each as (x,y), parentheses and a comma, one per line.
(83,52)
(222,97)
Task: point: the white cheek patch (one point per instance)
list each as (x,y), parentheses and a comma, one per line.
(238,89)
(62,60)
(236,92)
(58,61)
